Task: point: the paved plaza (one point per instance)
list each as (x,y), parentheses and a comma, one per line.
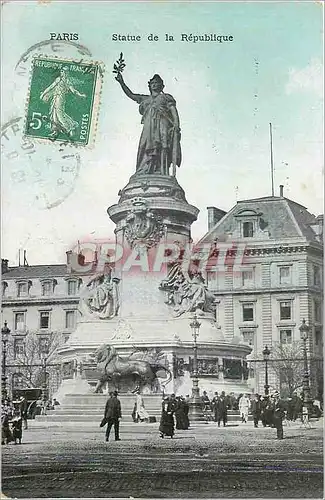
(203,462)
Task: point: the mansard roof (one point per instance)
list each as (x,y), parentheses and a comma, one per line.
(281,217)
(40,271)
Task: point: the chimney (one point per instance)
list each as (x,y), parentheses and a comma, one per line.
(281,190)
(25,259)
(214,215)
(74,259)
(4,266)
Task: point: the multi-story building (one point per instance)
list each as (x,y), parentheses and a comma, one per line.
(40,307)
(270,280)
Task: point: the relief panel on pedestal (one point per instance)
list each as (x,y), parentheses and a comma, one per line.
(187,292)
(142,225)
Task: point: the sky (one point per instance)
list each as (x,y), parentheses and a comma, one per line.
(226,95)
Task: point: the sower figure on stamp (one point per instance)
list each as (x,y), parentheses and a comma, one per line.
(56,93)
(159,146)
(113,415)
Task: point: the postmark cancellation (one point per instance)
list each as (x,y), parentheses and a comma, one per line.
(63,100)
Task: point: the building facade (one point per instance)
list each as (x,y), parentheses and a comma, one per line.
(40,307)
(269,281)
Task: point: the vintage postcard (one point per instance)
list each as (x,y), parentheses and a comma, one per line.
(162,249)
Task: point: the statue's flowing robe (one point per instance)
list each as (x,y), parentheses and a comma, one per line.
(158,136)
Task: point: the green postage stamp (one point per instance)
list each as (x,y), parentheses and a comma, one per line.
(63,100)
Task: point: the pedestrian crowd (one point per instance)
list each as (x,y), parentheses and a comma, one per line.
(13,414)
(178,406)
(270,410)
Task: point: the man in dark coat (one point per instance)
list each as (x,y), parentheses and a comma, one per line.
(214,405)
(278,413)
(222,409)
(24,410)
(256,409)
(112,415)
(296,404)
(265,410)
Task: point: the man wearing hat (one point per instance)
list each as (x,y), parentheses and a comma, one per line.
(24,410)
(278,413)
(256,409)
(113,415)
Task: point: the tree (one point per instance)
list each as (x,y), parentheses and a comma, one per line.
(287,362)
(28,360)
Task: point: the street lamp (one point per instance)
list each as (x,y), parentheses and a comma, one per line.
(304,331)
(44,385)
(266,355)
(195,403)
(5,331)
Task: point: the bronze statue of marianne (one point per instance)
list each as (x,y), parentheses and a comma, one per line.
(159,147)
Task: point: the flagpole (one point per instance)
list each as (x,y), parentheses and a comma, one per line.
(272,168)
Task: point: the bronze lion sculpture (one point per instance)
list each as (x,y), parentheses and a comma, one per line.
(114,368)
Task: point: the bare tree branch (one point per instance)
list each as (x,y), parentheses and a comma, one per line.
(29,363)
(288,365)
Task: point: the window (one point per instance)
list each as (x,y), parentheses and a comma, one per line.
(318,337)
(72,287)
(285,278)
(70,319)
(248,337)
(248,229)
(247,278)
(248,312)
(19,321)
(285,310)
(317,276)
(22,289)
(44,319)
(17,381)
(4,287)
(44,345)
(317,311)
(286,336)
(47,288)
(19,347)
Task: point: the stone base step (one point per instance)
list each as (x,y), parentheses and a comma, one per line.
(96,418)
(89,408)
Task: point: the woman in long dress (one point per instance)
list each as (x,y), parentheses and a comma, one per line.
(181,414)
(6,416)
(244,407)
(167,426)
(140,411)
(56,93)
(159,146)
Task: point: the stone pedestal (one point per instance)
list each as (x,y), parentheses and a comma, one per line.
(152,212)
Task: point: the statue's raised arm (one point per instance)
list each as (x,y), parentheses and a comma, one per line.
(135,97)
(159,149)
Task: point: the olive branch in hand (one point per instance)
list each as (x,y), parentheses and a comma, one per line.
(119,65)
